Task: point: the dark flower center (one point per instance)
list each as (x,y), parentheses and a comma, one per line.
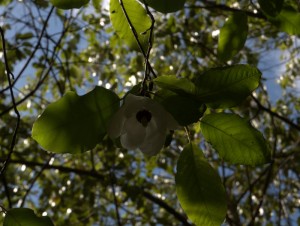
(144,117)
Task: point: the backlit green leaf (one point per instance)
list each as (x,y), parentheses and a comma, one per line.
(185,110)
(232,36)
(165,6)
(235,139)
(69,4)
(199,188)
(225,87)
(75,124)
(138,18)
(181,86)
(23,36)
(25,217)
(271,7)
(221,87)
(288,20)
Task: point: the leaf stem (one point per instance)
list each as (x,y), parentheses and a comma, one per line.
(135,34)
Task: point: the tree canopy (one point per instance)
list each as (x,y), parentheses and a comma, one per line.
(149,112)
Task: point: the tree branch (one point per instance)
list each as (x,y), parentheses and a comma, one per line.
(275,114)
(91,173)
(32,53)
(14,106)
(168,208)
(213,6)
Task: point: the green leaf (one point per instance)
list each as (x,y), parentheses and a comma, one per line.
(25,217)
(235,139)
(185,110)
(232,36)
(271,7)
(181,86)
(288,21)
(165,6)
(75,124)
(226,87)
(138,18)
(221,87)
(69,4)
(199,188)
(26,35)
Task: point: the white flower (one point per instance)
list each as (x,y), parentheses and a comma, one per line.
(142,123)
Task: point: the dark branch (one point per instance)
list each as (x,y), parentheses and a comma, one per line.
(213,6)
(9,75)
(171,210)
(275,114)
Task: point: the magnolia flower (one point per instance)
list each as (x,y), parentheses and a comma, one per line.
(142,123)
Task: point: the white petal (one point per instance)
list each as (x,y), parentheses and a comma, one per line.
(116,124)
(162,117)
(153,144)
(133,134)
(133,104)
(154,140)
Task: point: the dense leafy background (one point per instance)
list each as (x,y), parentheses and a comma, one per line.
(53,52)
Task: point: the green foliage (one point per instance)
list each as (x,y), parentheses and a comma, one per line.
(25,217)
(221,87)
(288,20)
(69,4)
(185,110)
(225,87)
(235,139)
(233,36)
(75,124)
(199,188)
(165,6)
(271,7)
(139,20)
(186,68)
(181,86)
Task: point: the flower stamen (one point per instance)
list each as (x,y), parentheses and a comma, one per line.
(144,117)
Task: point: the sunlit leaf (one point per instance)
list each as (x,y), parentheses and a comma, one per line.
(139,19)
(235,139)
(225,87)
(185,110)
(232,36)
(26,35)
(288,20)
(271,7)
(181,86)
(75,124)
(165,6)
(25,217)
(199,188)
(69,4)
(221,87)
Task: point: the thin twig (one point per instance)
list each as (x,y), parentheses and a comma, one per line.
(35,179)
(275,114)
(112,179)
(6,190)
(264,192)
(43,78)
(188,134)
(100,177)
(9,75)
(135,34)
(62,169)
(33,52)
(212,6)
(147,63)
(171,210)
